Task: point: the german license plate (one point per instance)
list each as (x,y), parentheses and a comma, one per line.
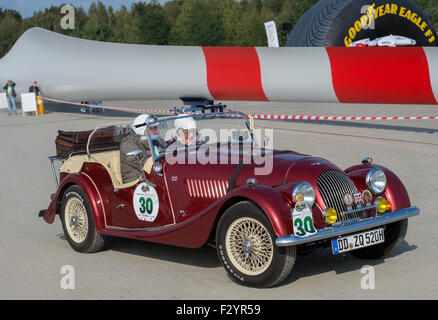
(358,240)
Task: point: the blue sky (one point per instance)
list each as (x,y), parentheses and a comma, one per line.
(28,7)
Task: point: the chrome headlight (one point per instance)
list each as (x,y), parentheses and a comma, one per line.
(376,180)
(306,190)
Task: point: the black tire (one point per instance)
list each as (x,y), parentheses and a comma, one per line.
(78,221)
(337,23)
(273,265)
(394,236)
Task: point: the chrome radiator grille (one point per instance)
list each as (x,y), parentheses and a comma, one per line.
(333,185)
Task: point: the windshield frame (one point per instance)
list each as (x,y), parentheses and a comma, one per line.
(119,125)
(230,114)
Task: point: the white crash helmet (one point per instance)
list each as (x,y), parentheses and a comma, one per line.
(140,123)
(185,123)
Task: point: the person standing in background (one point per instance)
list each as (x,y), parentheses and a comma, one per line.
(10,94)
(34,88)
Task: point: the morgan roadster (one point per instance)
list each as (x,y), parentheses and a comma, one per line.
(259,207)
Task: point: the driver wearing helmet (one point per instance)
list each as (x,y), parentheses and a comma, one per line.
(137,141)
(185,130)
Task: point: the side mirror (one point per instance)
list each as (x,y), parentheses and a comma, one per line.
(135,155)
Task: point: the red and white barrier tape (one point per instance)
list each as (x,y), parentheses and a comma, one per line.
(345,118)
(259,116)
(129,109)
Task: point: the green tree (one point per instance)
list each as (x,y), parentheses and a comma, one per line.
(290,12)
(250,30)
(81,19)
(48,19)
(10,29)
(274,5)
(180,22)
(430,8)
(172,10)
(231,12)
(152,25)
(124,27)
(97,26)
(199,23)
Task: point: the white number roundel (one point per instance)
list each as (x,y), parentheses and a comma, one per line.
(145,202)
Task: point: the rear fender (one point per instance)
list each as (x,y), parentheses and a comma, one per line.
(86,183)
(395,191)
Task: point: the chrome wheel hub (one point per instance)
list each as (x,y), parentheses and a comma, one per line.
(73,221)
(246,247)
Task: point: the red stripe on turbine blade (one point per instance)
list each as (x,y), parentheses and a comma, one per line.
(381,75)
(233,73)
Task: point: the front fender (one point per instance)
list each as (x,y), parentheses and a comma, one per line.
(271,202)
(395,191)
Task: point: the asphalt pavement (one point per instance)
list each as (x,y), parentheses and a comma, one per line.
(36,259)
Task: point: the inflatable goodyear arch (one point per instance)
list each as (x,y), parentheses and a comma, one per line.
(340,22)
(82,70)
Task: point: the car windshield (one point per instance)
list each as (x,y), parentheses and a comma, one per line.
(177,132)
(195,130)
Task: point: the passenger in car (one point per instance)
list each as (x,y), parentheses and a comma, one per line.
(185,130)
(137,140)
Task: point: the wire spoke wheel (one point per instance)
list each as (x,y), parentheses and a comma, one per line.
(249,246)
(245,243)
(76,220)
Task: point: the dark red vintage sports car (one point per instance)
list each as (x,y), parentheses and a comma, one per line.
(207,179)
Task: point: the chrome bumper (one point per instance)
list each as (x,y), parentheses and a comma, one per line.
(292,240)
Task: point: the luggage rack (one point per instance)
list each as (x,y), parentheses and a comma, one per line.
(58,159)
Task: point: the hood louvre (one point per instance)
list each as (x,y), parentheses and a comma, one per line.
(206,188)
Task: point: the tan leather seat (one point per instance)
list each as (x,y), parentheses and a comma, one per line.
(110,160)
